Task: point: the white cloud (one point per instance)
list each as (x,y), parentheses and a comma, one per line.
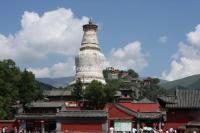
(60,69)
(163,39)
(193,37)
(57,31)
(130,56)
(186,61)
(40,72)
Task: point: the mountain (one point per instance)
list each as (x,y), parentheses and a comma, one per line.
(45,86)
(56,82)
(191,82)
(162,81)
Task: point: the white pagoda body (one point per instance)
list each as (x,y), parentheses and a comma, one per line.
(89,61)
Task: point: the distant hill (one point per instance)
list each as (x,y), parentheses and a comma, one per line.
(162,81)
(191,82)
(56,82)
(45,86)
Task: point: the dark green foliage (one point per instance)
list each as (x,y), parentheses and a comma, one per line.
(15,86)
(98,94)
(116,83)
(132,73)
(45,86)
(29,90)
(77,90)
(110,92)
(94,93)
(105,74)
(156,80)
(153,91)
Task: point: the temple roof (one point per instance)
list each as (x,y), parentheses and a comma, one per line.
(64,114)
(42,104)
(189,99)
(35,116)
(142,107)
(82,113)
(140,115)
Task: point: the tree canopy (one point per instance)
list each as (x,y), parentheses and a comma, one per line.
(132,73)
(96,94)
(153,90)
(16,85)
(77,90)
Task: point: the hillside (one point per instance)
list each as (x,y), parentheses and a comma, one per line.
(45,86)
(56,82)
(191,82)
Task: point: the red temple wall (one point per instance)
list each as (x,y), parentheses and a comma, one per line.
(116,114)
(7,124)
(176,119)
(82,127)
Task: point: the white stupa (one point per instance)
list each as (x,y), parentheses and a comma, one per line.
(89,61)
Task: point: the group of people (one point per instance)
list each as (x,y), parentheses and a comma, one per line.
(11,130)
(146,130)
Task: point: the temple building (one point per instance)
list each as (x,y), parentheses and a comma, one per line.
(182,111)
(89,61)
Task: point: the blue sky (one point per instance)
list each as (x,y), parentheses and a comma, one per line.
(121,23)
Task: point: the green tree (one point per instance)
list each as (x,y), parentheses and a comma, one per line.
(77,90)
(95,94)
(9,80)
(132,73)
(153,91)
(105,74)
(29,90)
(14,86)
(98,94)
(110,92)
(156,80)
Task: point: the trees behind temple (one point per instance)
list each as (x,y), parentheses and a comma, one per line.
(16,85)
(96,94)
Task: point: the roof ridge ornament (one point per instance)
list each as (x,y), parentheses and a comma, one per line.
(90,21)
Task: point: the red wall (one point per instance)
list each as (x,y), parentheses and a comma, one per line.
(116,114)
(82,127)
(7,124)
(176,119)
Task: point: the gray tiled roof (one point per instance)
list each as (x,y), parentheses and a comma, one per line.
(149,115)
(35,116)
(42,104)
(82,113)
(183,99)
(57,93)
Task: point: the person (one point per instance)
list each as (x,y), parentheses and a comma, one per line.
(111,130)
(15,129)
(171,130)
(134,130)
(4,130)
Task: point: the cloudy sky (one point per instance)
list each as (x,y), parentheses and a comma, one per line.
(155,38)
